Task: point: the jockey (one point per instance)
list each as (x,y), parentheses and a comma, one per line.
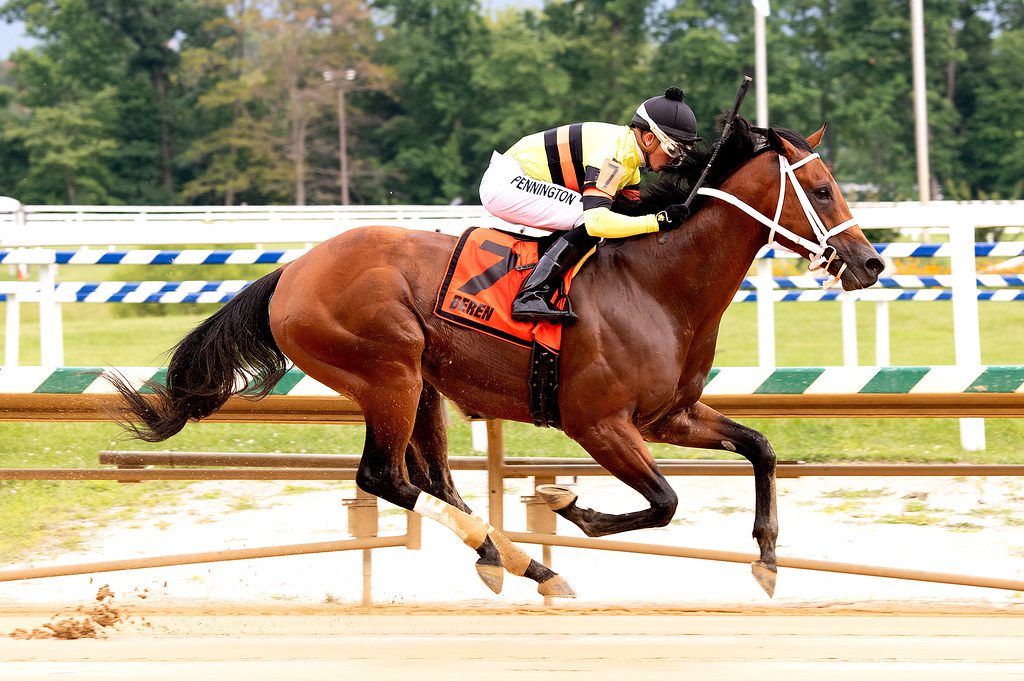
(564,179)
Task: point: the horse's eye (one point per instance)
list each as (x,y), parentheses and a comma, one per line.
(823,193)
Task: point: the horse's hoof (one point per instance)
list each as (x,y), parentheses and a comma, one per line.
(556,497)
(491,575)
(556,586)
(765,575)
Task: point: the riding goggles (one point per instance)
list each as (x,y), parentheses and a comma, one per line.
(675,149)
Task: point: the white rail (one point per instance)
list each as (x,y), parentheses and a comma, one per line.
(110,226)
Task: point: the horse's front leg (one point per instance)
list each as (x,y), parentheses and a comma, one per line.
(702,427)
(616,444)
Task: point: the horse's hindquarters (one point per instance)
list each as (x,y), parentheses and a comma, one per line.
(356,314)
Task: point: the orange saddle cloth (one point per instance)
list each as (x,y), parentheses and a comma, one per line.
(484,274)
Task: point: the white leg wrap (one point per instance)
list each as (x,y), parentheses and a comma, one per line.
(470,529)
(513,558)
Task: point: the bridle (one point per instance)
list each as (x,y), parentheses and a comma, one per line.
(824,252)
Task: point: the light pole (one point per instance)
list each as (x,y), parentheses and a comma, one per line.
(343,78)
(924,181)
(761,10)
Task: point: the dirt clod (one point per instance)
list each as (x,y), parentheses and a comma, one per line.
(94,621)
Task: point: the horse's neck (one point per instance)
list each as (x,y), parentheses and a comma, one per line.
(713,251)
(704,261)
(696,272)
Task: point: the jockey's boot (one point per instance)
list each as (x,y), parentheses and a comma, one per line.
(533,302)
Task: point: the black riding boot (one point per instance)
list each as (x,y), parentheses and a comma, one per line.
(533,302)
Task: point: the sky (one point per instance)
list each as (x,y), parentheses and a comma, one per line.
(12,36)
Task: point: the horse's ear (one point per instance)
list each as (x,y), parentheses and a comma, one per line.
(815,137)
(776,143)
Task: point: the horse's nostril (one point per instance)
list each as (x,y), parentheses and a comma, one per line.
(874,266)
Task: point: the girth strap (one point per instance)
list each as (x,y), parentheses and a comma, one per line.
(544,369)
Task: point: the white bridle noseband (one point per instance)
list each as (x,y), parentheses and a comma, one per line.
(824,252)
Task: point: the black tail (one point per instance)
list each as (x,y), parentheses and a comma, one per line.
(231,352)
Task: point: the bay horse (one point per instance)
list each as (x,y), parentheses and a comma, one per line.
(355,313)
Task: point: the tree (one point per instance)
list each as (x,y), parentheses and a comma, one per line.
(262,94)
(242,112)
(238,154)
(703,55)
(431,52)
(67,148)
(994,134)
(524,90)
(151,26)
(84,49)
(605,49)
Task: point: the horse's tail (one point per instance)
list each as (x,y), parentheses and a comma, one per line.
(231,352)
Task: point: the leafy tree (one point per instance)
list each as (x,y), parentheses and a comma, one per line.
(238,155)
(106,107)
(77,52)
(261,91)
(431,51)
(150,26)
(239,164)
(524,91)
(605,49)
(67,148)
(85,48)
(13,157)
(703,55)
(994,134)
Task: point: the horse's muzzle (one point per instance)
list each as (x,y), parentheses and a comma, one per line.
(863,265)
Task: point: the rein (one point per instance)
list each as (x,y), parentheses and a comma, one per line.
(825,253)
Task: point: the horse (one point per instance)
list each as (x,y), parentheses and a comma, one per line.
(355,313)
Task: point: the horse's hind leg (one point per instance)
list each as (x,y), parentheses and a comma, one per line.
(383,472)
(427,460)
(427,464)
(388,393)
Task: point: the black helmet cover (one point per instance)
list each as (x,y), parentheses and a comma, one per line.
(670,114)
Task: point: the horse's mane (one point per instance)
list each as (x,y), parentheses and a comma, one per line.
(673,185)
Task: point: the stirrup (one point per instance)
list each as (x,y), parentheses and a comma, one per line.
(543,311)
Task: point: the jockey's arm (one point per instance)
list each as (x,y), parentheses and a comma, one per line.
(599,189)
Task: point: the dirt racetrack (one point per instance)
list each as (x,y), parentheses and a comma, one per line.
(636,618)
(392,643)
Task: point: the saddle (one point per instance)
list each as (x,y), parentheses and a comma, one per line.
(485,272)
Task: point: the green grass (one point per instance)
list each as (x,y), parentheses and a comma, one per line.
(52,513)
(854,494)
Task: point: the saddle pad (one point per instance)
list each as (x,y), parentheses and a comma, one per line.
(484,274)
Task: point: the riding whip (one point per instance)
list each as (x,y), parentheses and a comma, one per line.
(726,129)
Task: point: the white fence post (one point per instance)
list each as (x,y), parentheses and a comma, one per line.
(882,356)
(966,333)
(478,431)
(13,331)
(765,284)
(51,341)
(849,311)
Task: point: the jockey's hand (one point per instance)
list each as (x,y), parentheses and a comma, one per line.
(672,217)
